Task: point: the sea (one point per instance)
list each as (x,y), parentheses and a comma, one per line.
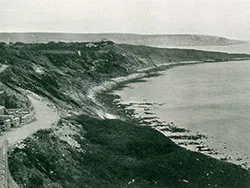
(210,102)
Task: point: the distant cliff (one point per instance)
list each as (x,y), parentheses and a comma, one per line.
(136,39)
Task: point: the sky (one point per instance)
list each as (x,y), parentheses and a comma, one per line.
(226,18)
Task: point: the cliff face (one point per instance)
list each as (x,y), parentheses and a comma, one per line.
(64,72)
(83,150)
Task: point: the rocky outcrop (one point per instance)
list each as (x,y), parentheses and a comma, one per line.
(13,118)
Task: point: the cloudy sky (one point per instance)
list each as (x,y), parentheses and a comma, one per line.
(228,18)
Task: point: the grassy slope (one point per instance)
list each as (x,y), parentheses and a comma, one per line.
(67,76)
(111,152)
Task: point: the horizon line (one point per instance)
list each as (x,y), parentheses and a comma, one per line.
(124,33)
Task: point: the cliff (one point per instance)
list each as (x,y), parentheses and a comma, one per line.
(83,150)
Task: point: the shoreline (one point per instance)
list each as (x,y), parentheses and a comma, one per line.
(139,74)
(144,73)
(90,146)
(129,115)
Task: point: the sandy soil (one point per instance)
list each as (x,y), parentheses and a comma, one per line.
(3,67)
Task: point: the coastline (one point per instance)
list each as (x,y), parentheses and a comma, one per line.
(98,148)
(113,83)
(115,109)
(144,73)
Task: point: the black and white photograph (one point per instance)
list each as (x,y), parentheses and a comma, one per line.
(124,93)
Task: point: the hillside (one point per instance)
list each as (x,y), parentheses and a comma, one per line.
(85,150)
(136,39)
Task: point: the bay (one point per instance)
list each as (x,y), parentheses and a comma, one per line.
(212,99)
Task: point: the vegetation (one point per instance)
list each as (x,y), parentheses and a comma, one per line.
(84,151)
(115,153)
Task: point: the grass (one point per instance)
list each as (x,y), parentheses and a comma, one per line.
(111,153)
(115,153)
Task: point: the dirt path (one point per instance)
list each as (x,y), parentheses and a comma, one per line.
(45,117)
